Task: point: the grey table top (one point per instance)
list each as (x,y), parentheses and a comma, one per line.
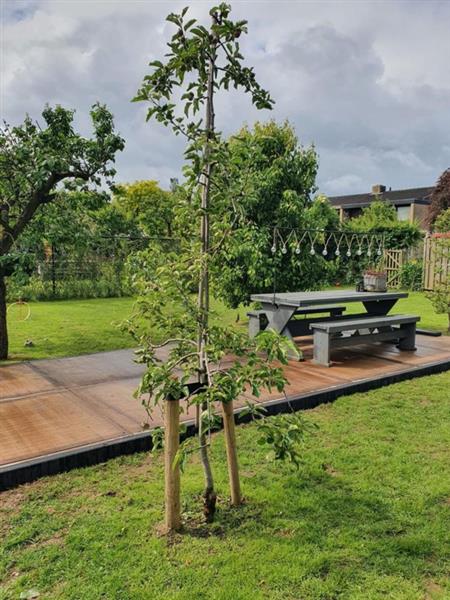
(325,297)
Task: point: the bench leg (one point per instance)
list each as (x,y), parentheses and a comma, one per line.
(408,342)
(321,348)
(254,326)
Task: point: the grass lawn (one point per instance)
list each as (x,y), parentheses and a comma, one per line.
(365,518)
(416,304)
(72,327)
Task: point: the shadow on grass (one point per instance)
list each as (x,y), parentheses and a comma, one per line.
(320,512)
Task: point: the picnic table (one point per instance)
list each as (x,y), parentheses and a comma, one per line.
(280,310)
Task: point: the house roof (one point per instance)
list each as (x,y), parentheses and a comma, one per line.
(396,197)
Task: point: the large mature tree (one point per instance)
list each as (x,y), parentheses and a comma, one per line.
(440,198)
(34,161)
(271,179)
(66,222)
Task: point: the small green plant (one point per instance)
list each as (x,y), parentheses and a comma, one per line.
(284,433)
(411,275)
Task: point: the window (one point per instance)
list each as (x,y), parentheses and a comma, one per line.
(403,213)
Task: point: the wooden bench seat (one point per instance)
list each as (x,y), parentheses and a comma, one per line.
(363,330)
(258,319)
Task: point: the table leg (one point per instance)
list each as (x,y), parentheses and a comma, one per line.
(279,318)
(379,308)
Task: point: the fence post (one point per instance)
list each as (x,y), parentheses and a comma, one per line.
(425,259)
(53,272)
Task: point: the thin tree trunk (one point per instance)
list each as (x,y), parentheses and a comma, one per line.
(209,495)
(3,324)
(232,459)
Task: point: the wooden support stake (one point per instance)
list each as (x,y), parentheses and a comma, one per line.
(172,471)
(230,440)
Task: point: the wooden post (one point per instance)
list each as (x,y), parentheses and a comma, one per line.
(230,440)
(172,471)
(53,272)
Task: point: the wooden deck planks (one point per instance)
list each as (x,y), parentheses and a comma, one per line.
(53,405)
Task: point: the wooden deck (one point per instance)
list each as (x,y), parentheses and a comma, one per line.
(53,411)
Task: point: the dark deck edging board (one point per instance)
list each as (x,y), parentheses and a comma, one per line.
(430,332)
(26,471)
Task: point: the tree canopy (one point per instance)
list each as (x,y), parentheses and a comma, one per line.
(271,178)
(440,198)
(34,161)
(149,206)
(442,223)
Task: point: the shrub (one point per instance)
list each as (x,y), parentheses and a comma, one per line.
(440,199)
(442,223)
(37,289)
(380,217)
(411,275)
(440,296)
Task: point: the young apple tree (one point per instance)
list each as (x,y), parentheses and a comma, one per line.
(199,360)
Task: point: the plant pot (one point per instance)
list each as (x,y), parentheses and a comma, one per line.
(375,282)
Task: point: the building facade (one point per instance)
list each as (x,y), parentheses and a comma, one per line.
(411,204)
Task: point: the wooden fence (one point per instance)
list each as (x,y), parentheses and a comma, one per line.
(436,263)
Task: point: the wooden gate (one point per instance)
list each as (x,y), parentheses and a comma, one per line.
(393,263)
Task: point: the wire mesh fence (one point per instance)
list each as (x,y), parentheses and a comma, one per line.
(97,268)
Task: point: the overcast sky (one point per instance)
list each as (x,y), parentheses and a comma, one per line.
(368,82)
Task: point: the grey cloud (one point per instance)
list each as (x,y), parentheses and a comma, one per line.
(350,76)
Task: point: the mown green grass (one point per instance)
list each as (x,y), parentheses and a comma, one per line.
(72,327)
(416,304)
(365,518)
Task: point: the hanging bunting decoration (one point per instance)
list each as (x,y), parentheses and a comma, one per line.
(320,241)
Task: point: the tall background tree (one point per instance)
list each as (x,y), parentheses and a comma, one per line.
(272,181)
(149,206)
(34,162)
(440,198)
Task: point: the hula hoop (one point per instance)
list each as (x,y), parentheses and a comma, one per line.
(20,316)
